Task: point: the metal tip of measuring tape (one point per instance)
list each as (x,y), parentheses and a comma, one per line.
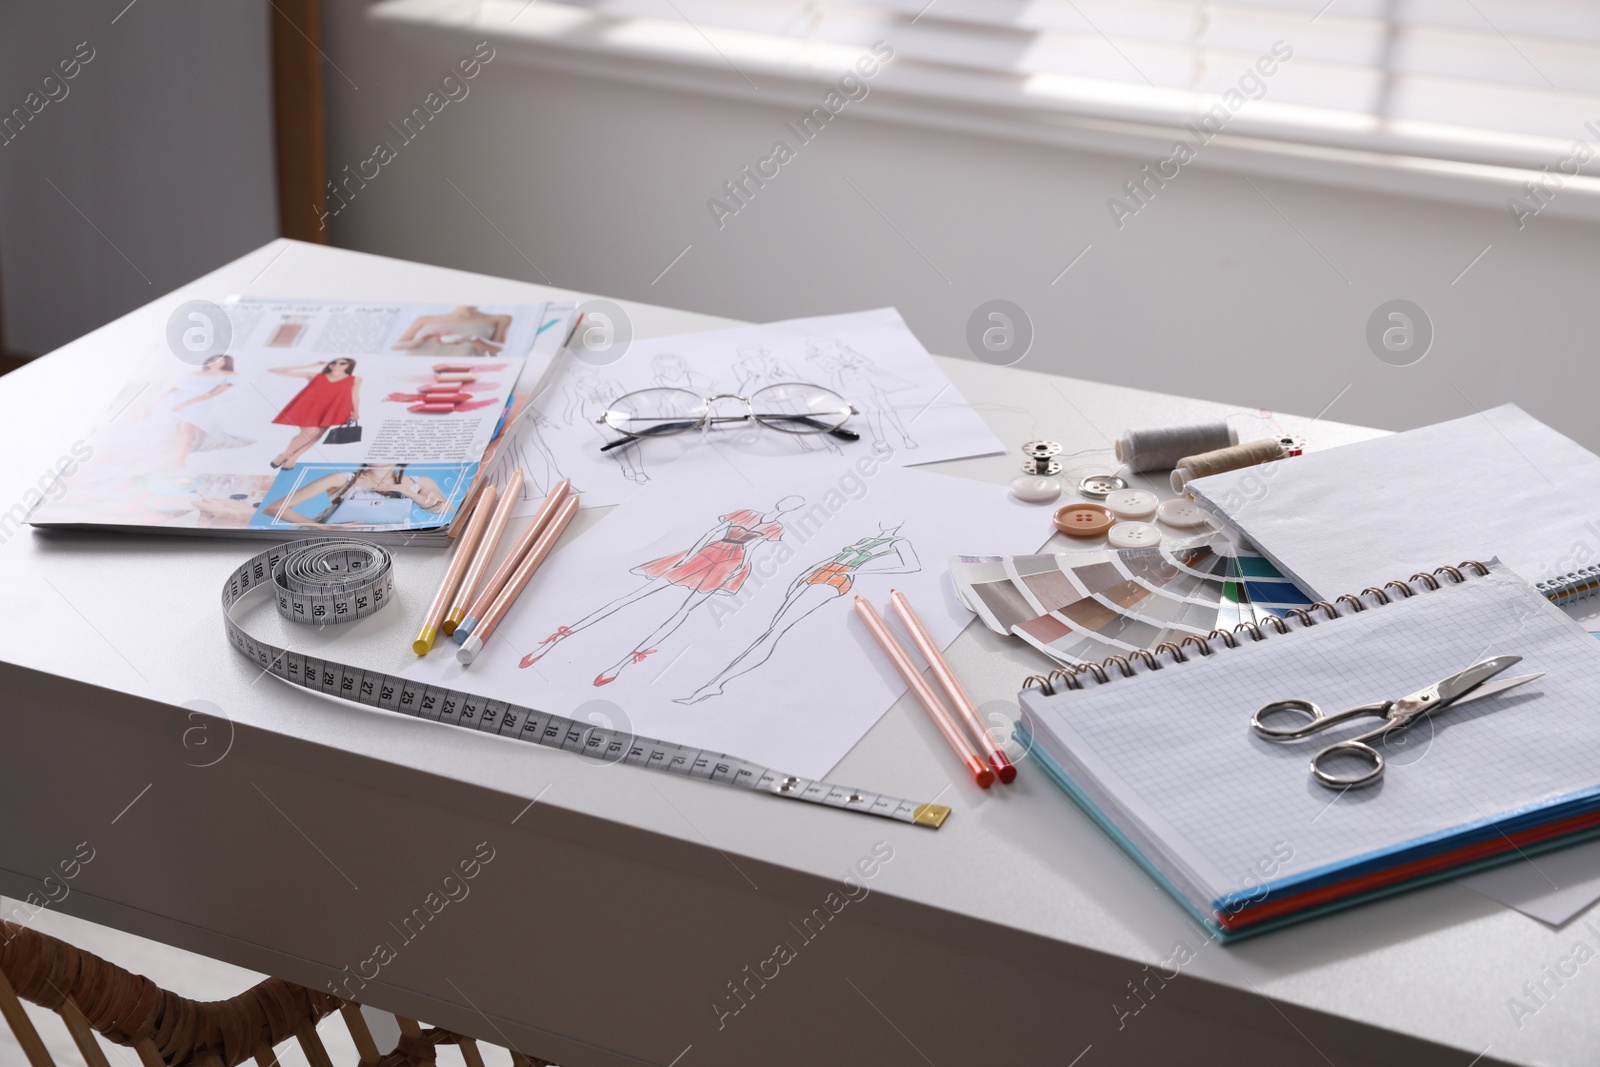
(424,642)
(469,650)
(464,631)
(932,815)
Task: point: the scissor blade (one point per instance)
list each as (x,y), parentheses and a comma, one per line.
(1499,685)
(1459,685)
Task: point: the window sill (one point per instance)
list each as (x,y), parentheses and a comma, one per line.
(796,73)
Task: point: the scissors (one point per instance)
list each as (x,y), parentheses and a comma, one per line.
(1459,688)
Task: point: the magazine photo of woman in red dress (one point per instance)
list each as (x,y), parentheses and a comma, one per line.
(331,397)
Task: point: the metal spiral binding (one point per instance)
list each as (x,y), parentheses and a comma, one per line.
(1067,677)
(1572,587)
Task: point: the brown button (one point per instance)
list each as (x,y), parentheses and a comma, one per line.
(1084,520)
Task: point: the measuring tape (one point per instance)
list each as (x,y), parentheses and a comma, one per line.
(329,581)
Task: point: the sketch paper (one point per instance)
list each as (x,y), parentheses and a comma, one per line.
(718,614)
(1553,887)
(909,409)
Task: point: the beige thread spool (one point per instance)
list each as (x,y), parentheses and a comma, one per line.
(1248,454)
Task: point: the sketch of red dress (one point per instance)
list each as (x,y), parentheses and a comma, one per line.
(323,402)
(716,564)
(721,566)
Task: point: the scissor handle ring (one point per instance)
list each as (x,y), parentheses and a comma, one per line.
(1309,720)
(1360,750)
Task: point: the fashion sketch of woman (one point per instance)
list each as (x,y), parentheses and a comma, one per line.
(672,372)
(757,368)
(715,565)
(374,494)
(884,552)
(193,403)
(331,397)
(588,396)
(524,446)
(862,381)
(466,331)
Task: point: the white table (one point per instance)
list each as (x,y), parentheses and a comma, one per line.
(619,907)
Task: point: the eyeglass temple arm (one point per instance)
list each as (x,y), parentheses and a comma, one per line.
(673,427)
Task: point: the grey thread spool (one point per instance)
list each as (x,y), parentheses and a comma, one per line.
(1248,454)
(1160,448)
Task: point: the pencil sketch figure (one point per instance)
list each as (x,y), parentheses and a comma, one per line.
(673,372)
(865,384)
(885,552)
(589,394)
(527,448)
(756,368)
(715,565)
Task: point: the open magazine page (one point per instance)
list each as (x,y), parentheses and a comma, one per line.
(522,443)
(321,416)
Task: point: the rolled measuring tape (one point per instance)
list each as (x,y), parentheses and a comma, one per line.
(329,581)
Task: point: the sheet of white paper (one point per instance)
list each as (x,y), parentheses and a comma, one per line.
(909,410)
(1499,483)
(717,614)
(1553,888)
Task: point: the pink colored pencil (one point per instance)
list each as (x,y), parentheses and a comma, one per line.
(959,698)
(541,548)
(930,701)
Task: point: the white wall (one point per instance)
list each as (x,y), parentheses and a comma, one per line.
(163,142)
(1211,290)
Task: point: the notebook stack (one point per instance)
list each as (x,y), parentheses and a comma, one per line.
(1237,828)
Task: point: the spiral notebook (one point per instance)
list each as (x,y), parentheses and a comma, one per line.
(1157,749)
(1499,481)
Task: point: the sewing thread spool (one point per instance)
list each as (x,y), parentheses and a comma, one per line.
(1248,454)
(1039,457)
(1160,448)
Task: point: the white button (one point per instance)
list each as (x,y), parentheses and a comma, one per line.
(1035,488)
(1133,535)
(1181,513)
(1132,503)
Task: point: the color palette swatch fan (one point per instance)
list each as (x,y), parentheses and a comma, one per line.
(1081,606)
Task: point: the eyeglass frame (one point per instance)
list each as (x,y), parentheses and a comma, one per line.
(707,419)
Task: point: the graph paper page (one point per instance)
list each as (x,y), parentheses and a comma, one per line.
(1174,749)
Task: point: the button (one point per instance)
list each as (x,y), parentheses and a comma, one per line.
(1098,486)
(1132,503)
(1084,520)
(1035,488)
(1181,512)
(1133,535)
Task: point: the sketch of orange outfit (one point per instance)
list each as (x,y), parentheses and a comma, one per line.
(885,552)
(716,565)
(721,566)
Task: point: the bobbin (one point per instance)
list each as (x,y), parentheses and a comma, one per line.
(1038,457)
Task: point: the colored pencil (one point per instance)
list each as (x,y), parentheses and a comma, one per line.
(508,566)
(465,545)
(541,548)
(941,718)
(959,698)
(481,559)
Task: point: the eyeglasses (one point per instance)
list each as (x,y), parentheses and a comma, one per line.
(790,407)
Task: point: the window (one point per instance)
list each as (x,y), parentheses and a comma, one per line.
(1507,83)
